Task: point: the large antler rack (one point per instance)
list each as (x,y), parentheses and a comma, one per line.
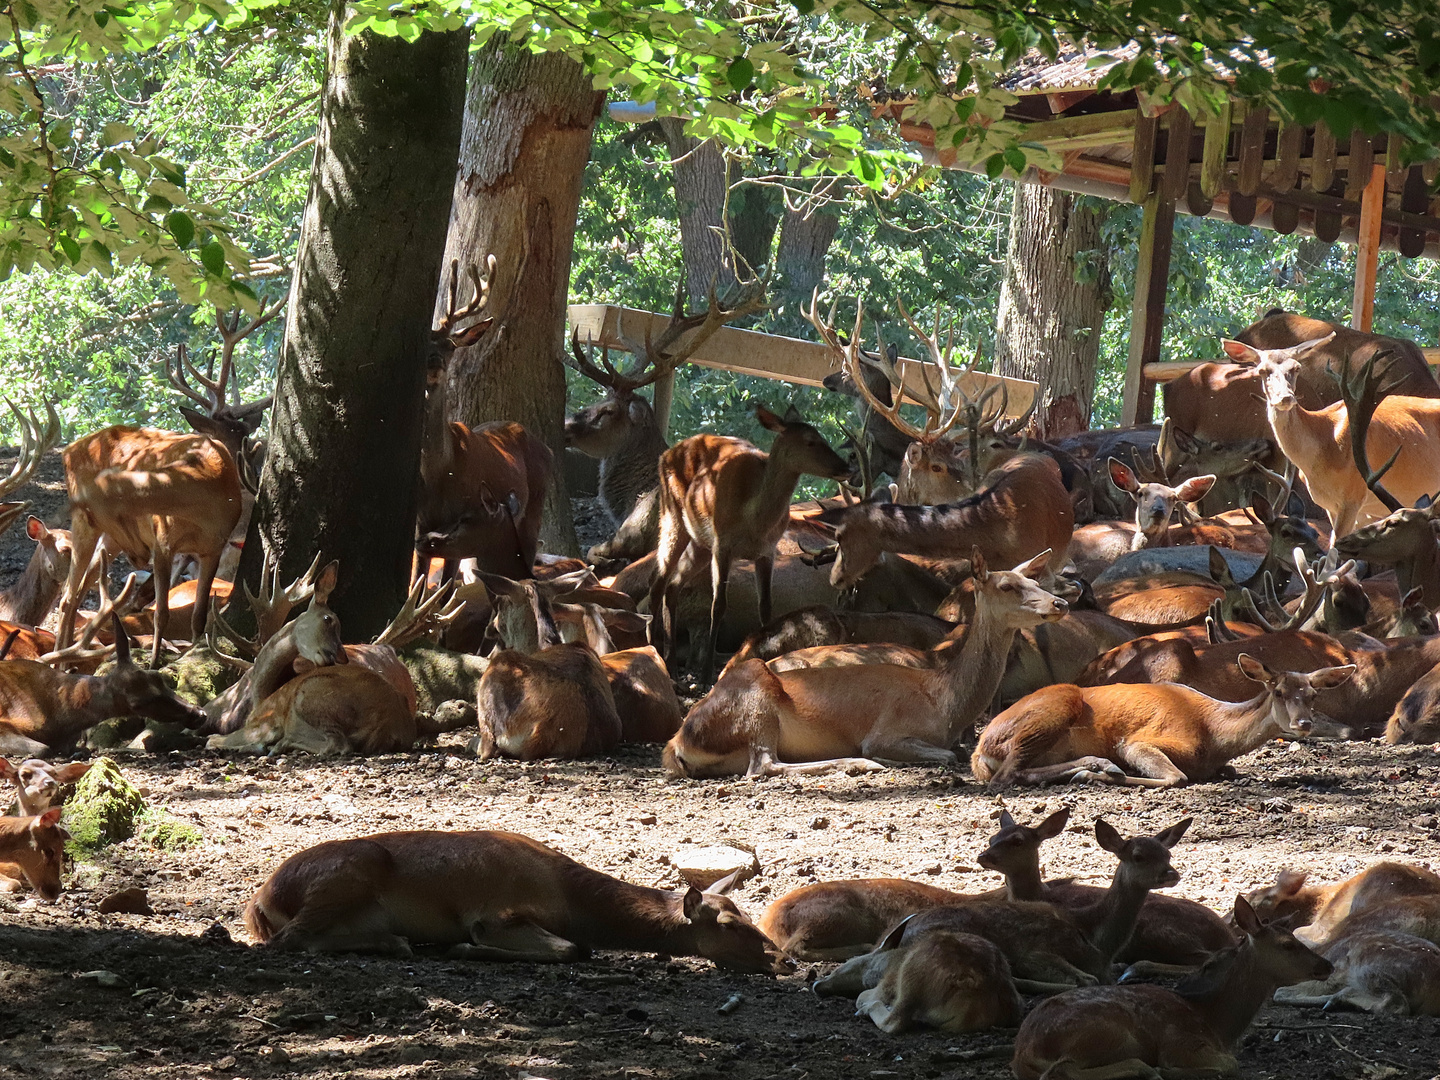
(422,618)
(83,649)
(216,386)
(36,440)
(1362,394)
(447,335)
(271,608)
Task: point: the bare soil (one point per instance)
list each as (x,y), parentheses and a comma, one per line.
(191,999)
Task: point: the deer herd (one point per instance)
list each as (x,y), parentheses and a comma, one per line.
(1136,606)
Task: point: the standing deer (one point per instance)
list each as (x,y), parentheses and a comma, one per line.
(482,488)
(724,498)
(621,429)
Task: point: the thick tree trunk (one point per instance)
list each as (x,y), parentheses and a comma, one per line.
(341,475)
(804,243)
(702,180)
(528,123)
(1049,324)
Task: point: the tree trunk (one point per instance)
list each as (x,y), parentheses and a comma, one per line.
(528,123)
(341,475)
(1049,323)
(804,243)
(702,181)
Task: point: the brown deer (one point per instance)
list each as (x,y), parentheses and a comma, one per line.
(482,488)
(1045,945)
(722,497)
(759,722)
(38,784)
(490,896)
(32,849)
(954,982)
(43,711)
(1167,735)
(1113,1031)
(1023,508)
(835,920)
(1156,502)
(621,429)
(818,625)
(1316,911)
(32,597)
(1379,971)
(1170,931)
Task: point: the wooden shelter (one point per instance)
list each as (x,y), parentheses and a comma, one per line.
(1246,165)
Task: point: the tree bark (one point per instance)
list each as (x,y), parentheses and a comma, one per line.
(342,472)
(528,124)
(804,243)
(702,181)
(1048,326)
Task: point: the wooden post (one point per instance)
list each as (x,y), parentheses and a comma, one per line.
(664,399)
(1367,250)
(1147,317)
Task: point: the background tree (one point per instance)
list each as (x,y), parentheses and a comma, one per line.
(341,475)
(526,140)
(1052,304)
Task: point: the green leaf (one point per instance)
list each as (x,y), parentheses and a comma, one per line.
(157,204)
(212,257)
(71,249)
(113,134)
(740,73)
(804,7)
(995,166)
(1015,158)
(99,254)
(181,227)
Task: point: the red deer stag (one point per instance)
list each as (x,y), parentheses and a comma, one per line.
(490,896)
(483,488)
(36,440)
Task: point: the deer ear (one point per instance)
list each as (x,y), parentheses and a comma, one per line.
(1034,568)
(725,885)
(1122,476)
(1195,488)
(1006,821)
(1331,677)
(1108,838)
(895,936)
(1239,351)
(1253,669)
(1305,347)
(68,774)
(49,819)
(768,419)
(1053,824)
(35,528)
(325,583)
(792,415)
(692,903)
(977,565)
(1291,882)
(1245,917)
(1171,836)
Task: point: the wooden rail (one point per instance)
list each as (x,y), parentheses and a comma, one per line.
(770,356)
(1166,370)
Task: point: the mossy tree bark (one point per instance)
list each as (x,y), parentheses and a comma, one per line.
(528,124)
(342,473)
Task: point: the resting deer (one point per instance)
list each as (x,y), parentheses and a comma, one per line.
(954,982)
(1317,910)
(1166,735)
(490,896)
(482,487)
(1170,931)
(38,784)
(722,497)
(32,849)
(1045,945)
(1156,502)
(835,920)
(809,721)
(621,429)
(1379,971)
(1149,1031)
(32,597)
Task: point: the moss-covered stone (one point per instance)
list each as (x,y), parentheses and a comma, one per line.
(200,676)
(441,675)
(160,830)
(104,808)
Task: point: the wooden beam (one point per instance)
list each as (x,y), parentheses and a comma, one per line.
(1367,250)
(1322,164)
(1142,164)
(1217,149)
(771,356)
(1177,155)
(1147,316)
(1168,370)
(1357,170)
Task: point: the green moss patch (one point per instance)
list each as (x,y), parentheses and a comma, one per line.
(108,809)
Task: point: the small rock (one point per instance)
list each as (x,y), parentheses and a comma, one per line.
(275,1055)
(819,823)
(703,866)
(226,1062)
(216,934)
(733,1002)
(1276,806)
(1427,821)
(101,977)
(131,901)
(932,869)
(646,819)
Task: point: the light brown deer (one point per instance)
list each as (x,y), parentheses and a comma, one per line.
(954,982)
(32,597)
(1166,735)
(32,850)
(1149,1031)
(723,498)
(835,920)
(1156,502)
(38,784)
(759,722)
(1329,445)
(1317,910)
(1379,971)
(482,488)
(1170,931)
(1045,945)
(490,896)
(43,711)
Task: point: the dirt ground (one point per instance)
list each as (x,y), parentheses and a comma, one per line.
(187,997)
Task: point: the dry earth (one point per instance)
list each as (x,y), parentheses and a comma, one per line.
(190,999)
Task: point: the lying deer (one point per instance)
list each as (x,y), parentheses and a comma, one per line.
(38,784)
(954,982)
(1166,734)
(1316,910)
(32,597)
(44,711)
(1156,502)
(1379,971)
(1149,1031)
(809,721)
(490,896)
(32,849)
(1045,945)
(1170,931)
(835,920)
(723,497)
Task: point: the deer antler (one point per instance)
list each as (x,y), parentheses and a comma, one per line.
(682,336)
(418,619)
(35,442)
(118,605)
(1362,395)
(273,606)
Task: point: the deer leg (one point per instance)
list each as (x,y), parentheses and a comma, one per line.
(1085,768)
(673,545)
(516,941)
(763,763)
(886,1017)
(83,539)
(160,568)
(764,571)
(203,584)
(719,583)
(1151,767)
(906,751)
